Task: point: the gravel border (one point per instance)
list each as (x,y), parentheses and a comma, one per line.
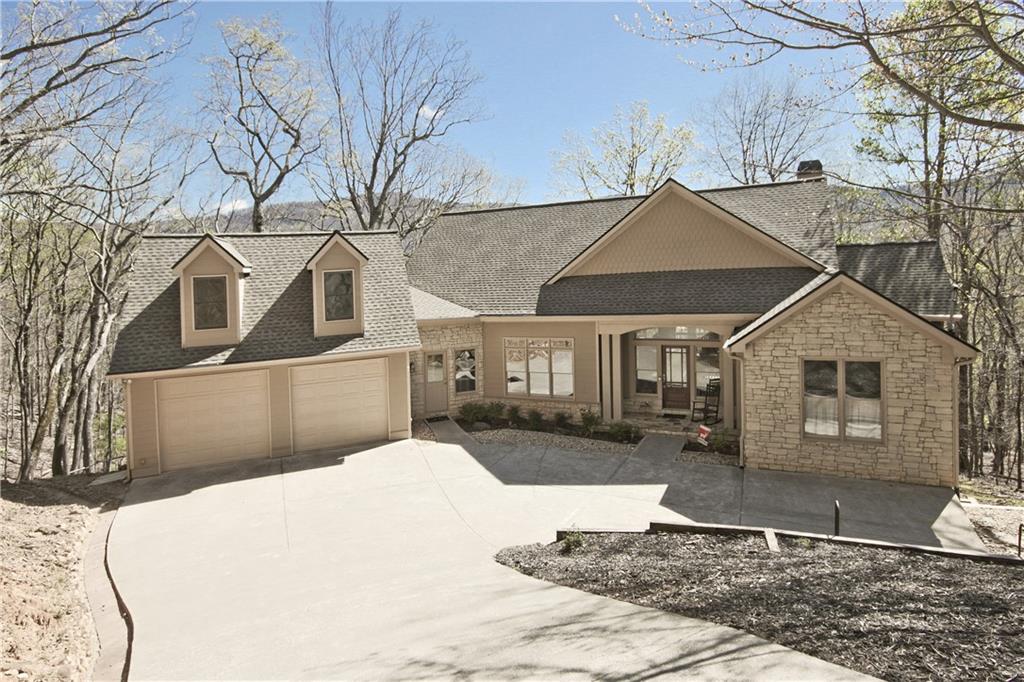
(701,457)
(554,440)
(893,614)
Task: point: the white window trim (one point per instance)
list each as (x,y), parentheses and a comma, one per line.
(841,400)
(551,374)
(323,296)
(227,303)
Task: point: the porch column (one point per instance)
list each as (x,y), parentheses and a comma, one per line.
(611,376)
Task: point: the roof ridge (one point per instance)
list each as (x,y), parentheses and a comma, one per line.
(907,243)
(219,235)
(802,181)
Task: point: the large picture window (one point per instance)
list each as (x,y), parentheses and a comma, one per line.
(853,412)
(539,367)
(706,362)
(339,298)
(210,302)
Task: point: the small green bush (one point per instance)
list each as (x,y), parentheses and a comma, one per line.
(590,420)
(562,419)
(624,432)
(473,412)
(572,541)
(495,413)
(535,420)
(515,415)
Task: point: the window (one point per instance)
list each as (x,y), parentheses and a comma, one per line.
(465,371)
(338,295)
(707,368)
(210,302)
(856,412)
(539,367)
(435,368)
(646,369)
(678,333)
(863,398)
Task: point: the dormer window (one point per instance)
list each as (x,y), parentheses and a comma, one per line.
(337,270)
(210,302)
(211,283)
(339,295)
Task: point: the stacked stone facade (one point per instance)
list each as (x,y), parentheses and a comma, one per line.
(449,339)
(918,393)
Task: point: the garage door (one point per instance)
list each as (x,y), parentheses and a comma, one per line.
(211,419)
(339,404)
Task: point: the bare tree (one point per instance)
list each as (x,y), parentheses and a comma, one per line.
(395,92)
(757,129)
(261,110)
(631,154)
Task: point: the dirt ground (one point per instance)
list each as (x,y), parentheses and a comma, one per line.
(996,508)
(893,614)
(47,628)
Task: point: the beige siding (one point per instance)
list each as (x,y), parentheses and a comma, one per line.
(337,257)
(448,339)
(398,397)
(678,234)
(142,427)
(210,262)
(280,412)
(584,335)
(918,395)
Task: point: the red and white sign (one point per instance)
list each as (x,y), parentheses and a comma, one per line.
(702,434)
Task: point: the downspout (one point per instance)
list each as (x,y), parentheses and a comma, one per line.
(957,364)
(742,411)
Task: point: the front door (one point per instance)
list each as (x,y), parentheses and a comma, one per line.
(675,385)
(435,399)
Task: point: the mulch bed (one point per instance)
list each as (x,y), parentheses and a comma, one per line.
(45,623)
(893,614)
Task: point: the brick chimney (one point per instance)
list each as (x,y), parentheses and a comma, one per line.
(809,170)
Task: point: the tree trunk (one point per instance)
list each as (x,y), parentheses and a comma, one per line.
(257,215)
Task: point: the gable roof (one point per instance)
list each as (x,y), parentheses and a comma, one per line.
(680,292)
(495,261)
(672,188)
(335,237)
(277,310)
(429,307)
(824,283)
(224,247)
(912,274)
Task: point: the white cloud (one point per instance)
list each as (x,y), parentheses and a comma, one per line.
(427,111)
(235,205)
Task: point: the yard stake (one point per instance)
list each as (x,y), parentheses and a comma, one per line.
(836,519)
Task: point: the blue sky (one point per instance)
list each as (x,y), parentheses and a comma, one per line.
(547,68)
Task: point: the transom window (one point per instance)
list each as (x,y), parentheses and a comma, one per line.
(678,333)
(465,371)
(539,367)
(339,298)
(855,411)
(210,302)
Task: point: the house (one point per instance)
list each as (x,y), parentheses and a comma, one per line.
(830,359)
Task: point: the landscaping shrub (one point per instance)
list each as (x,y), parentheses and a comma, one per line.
(535,420)
(562,419)
(515,415)
(624,432)
(590,420)
(473,412)
(495,413)
(573,540)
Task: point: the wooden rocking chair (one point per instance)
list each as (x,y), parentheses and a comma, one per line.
(707,404)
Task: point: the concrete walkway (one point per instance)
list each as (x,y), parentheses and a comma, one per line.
(379,564)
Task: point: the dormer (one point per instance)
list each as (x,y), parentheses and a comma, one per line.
(337,272)
(211,279)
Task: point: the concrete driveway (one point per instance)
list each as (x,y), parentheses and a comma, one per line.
(379,564)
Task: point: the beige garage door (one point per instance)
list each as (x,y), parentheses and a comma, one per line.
(343,403)
(211,419)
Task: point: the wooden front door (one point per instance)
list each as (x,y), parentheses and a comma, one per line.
(675,385)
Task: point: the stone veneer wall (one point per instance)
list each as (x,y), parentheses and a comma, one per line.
(918,395)
(448,338)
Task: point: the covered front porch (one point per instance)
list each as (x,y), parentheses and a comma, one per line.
(657,371)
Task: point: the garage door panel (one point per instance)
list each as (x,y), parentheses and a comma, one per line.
(339,404)
(211,419)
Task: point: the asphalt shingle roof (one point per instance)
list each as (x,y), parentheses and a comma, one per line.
(738,290)
(278,307)
(911,274)
(430,307)
(496,261)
